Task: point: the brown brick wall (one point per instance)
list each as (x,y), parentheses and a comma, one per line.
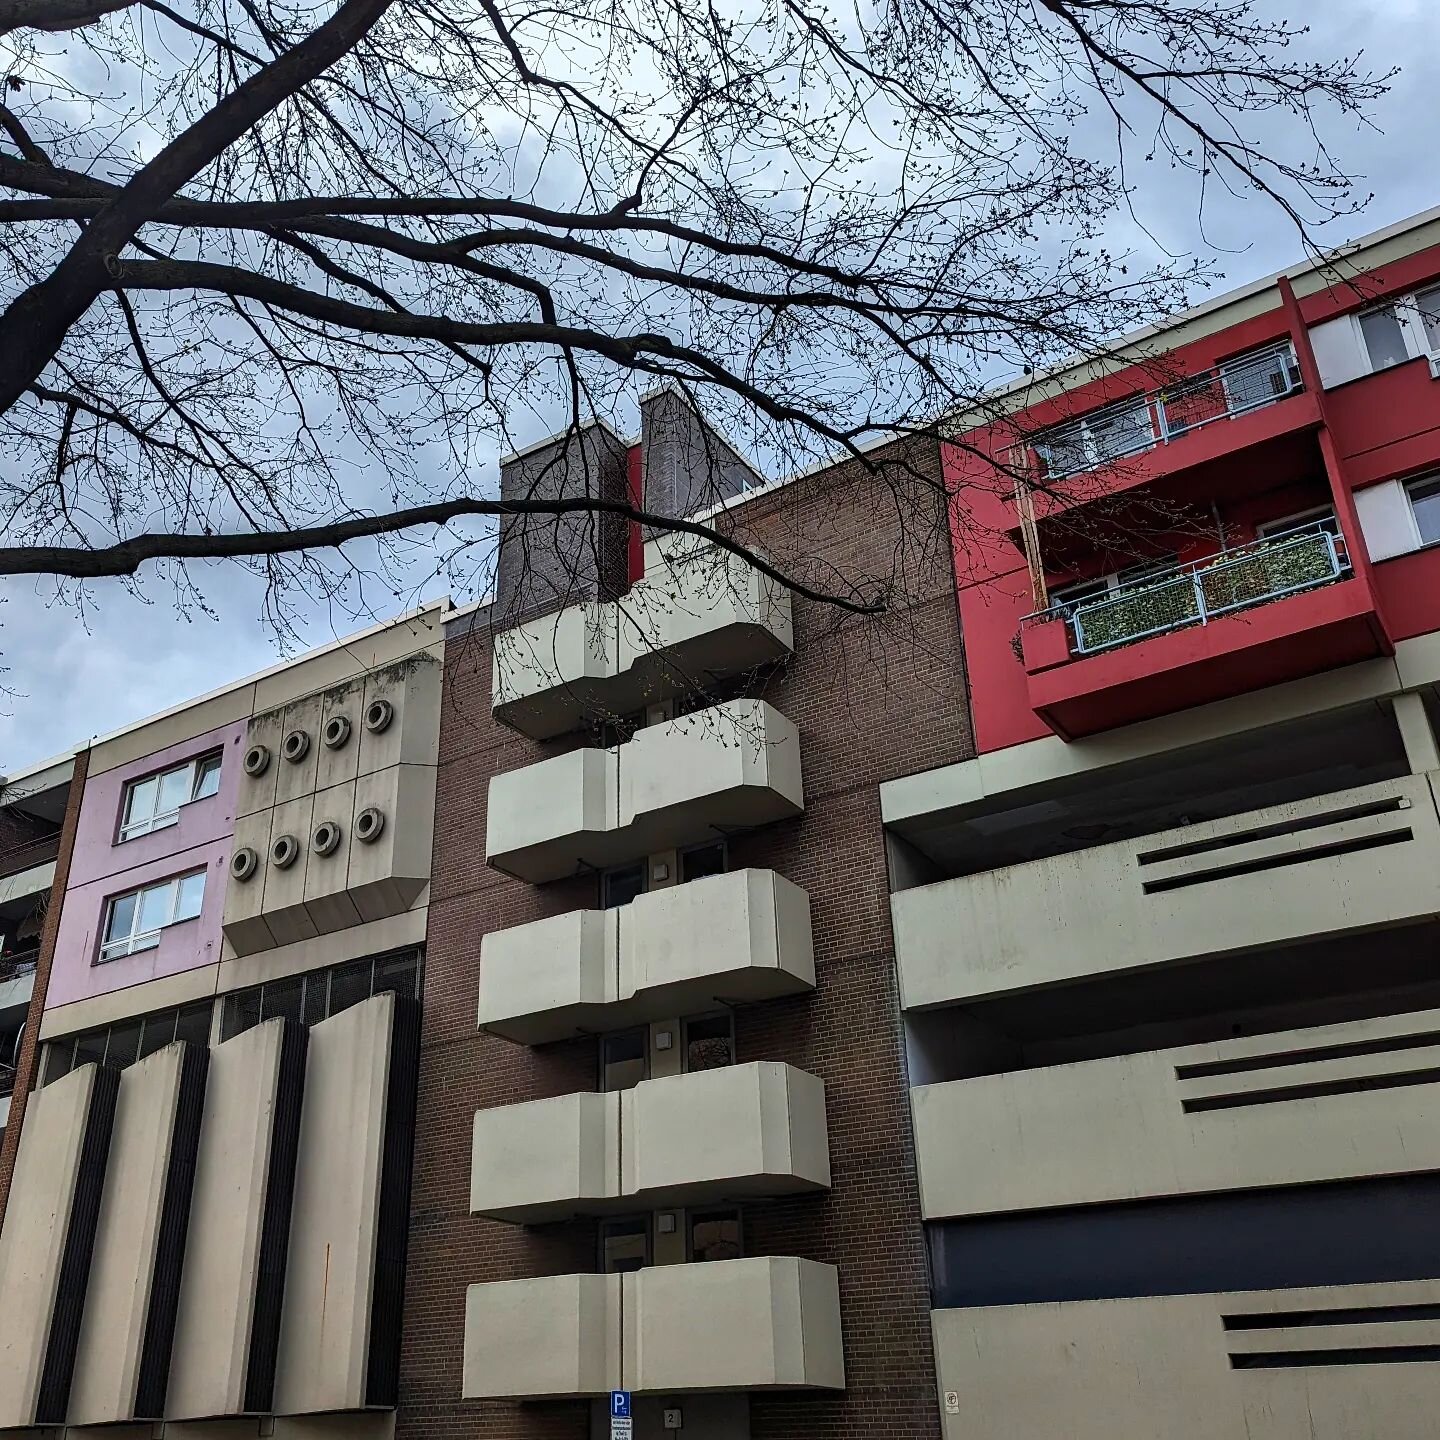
(873,698)
(29,1044)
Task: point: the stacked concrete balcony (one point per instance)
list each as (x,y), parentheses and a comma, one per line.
(731,766)
(700,614)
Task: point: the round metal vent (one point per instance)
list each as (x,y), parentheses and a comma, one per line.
(244,863)
(378,715)
(368,825)
(336,732)
(284,851)
(296,746)
(257,760)
(326,838)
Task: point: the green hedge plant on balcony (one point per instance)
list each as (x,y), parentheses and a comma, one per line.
(1265,570)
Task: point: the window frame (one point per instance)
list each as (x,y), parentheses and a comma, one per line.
(608,1224)
(1430,480)
(1409,311)
(110,947)
(722,845)
(642,1032)
(712,1212)
(199,766)
(1075,593)
(1278,526)
(687,1021)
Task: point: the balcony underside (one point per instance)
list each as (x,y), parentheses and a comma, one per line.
(1285,639)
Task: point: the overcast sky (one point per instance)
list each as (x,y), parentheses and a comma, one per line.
(133,652)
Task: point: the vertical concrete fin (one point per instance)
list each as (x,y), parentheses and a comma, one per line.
(154,1371)
(382,1379)
(73,1280)
(275,1221)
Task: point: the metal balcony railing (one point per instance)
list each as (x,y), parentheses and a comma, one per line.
(13,967)
(1192,594)
(1128,427)
(28,854)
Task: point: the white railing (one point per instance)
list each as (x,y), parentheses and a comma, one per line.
(1129,427)
(1194,593)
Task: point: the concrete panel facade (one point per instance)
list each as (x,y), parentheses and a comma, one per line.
(756,1129)
(237,1165)
(1139,1126)
(1165,1365)
(136,1264)
(745,935)
(329,1277)
(44,1219)
(1273,876)
(734,764)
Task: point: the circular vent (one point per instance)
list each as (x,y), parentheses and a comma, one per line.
(378,715)
(284,851)
(326,838)
(336,733)
(244,863)
(296,746)
(257,760)
(368,825)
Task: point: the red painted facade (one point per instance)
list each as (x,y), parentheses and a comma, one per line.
(1193,498)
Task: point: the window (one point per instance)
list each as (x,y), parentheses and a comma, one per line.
(154,802)
(134,921)
(1083,592)
(624,1059)
(1322,517)
(714,1235)
(127,1041)
(309,999)
(709,1042)
(621,885)
(1425,503)
(624,1245)
(702,860)
(1402,330)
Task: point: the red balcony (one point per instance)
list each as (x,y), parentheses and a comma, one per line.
(1279,609)
(1192,428)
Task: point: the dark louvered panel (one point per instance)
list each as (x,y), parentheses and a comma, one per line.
(275,1223)
(74,1280)
(383,1362)
(154,1375)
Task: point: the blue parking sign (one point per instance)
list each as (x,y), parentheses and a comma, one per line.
(619,1404)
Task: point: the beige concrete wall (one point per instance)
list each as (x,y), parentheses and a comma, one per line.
(232,1173)
(758,1324)
(732,765)
(325,1323)
(1117,1129)
(745,935)
(1160,1366)
(32,1242)
(122,1266)
(554,1336)
(391,770)
(1088,913)
(756,1129)
(698,612)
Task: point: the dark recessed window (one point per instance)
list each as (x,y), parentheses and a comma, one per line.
(624,1245)
(709,1042)
(702,860)
(715,1235)
(623,1059)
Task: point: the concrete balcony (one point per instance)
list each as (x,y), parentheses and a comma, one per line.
(699,614)
(769,1323)
(732,766)
(1345,862)
(1299,1107)
(743,936)
(743,1130)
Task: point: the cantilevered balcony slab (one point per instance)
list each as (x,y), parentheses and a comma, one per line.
(742,1130)
(732,766)
(769,1323)
(1334,864)
(739,937)
(700,614)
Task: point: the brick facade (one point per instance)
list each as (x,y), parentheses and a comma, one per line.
(873,698)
